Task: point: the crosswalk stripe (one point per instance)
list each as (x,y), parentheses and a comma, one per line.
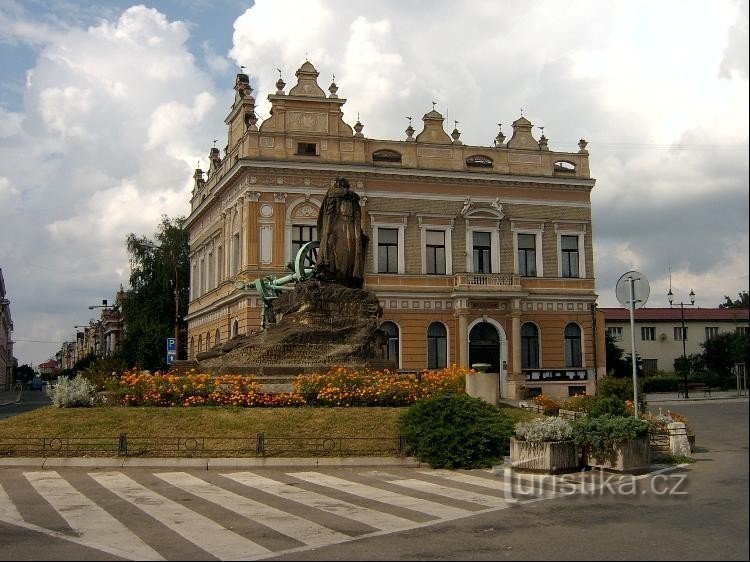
(384,496)
(8,511)
(302,530)
(86,518)
(370,517)
(196,528)
(449,492)
(493,484)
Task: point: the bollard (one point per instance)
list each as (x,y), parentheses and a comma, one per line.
(260,445)
(122,445)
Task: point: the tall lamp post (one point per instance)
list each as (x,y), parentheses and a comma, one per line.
(683,334)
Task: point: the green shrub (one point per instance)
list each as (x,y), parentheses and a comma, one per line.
(72,393)
(542,430)
(578,403)
(102,370)
(456,431)
(661,383)
(607,405)
(601,434)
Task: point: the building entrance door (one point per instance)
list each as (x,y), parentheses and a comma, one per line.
(484,346)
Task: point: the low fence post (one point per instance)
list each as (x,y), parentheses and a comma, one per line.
(260,445)
(122,445)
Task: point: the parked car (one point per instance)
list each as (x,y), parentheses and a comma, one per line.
(36,383)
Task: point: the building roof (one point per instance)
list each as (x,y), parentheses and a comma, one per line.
(673,314)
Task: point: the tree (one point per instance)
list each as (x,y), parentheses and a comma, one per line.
(157,301)
(618,365)
(23,373)
(742,302)
(722,352)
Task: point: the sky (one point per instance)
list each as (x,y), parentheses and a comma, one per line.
(106,107)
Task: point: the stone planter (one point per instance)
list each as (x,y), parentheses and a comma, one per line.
(484,385)
(550,457)
(630,455)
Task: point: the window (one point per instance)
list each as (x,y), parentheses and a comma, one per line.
(307,149)
(301,235)
(482,250)
(577,390)
(569,255)
(529,346)
(194,282)
(208,341)
(435,252)
(711,332)
(564,166)
(648,333)
(204,278)
(387,250)
(649,366)
(386,156)
(390,348)
(200,343)
(219,265)
(437,346)
(573,356)
(679,334)
(235,328)
(744,330)
(527,255)
(615,332)
(211,271)
(217,336)
(533,391)
(478,161)
(235,253)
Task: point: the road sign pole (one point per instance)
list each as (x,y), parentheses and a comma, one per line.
(632,347)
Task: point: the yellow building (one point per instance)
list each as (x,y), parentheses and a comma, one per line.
(478,254)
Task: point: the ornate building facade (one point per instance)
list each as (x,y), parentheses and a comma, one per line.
(478,254)
(7,361)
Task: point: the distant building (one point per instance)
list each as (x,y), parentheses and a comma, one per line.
(478,254)
(48,368)
(659,335)
(7,361)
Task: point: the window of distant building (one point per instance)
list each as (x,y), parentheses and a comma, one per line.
(387,156)
(301,235)
(481,252)
(527,255)
(648,333)
(307,149)
(479,161)
(529,346)
(569,255)
(390,348)
(615,332)
(680,333)
(435,252)
(711,332)
(388,250)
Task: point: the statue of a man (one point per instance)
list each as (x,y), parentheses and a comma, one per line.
(341,256)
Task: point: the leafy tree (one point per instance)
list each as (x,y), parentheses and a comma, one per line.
(722,352)
(23,373)
(742,302)
(618,363)
(158,295)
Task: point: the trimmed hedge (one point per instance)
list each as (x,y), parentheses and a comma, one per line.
(456,431)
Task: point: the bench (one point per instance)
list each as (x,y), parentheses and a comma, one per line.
(693,387)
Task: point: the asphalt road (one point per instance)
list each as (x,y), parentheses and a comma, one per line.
(696,512)
(709,521)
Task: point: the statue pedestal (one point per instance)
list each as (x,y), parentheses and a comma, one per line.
(485,386)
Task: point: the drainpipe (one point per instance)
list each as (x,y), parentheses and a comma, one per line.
(595,339)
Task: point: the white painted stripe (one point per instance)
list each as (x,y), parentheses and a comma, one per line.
(385,496)
(8,511)
(449,492)
(494,484)
(200,530)
(285,523)
(538,485)
(370,517)
(91,522)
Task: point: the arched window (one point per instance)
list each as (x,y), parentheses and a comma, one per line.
(479,161)
(564,166)
(217,336)
(573,356)
(208,341)
(386,156)
(200,343)
(192,347)
(529,346)
(390,347)
(437,346)
(235,328)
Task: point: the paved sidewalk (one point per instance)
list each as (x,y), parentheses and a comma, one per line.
(9,397)
(698,396)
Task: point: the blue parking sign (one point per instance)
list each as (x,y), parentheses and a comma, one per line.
(171,345)
(170,358)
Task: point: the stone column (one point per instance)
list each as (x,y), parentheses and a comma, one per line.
(252,228)
(515,375)
(678,439)
(463,346)
(279,244)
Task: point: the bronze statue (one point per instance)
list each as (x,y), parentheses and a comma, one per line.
(341,257)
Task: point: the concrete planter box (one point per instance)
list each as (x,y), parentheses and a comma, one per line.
(630,455)
(550,457)
(485,386)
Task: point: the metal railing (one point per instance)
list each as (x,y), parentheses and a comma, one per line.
(259,445)
(487,280)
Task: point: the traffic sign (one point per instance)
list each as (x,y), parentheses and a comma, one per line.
(171,345)
(171,358)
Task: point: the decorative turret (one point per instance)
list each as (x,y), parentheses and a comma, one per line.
(456,133)
(522,137)
(358,128)
(214,158)
(198,181)
(280,86)
(543,141)
(307,82)
(433,131)
(333,88)
(500,138)
(582,146)
(410,131)
(242,89)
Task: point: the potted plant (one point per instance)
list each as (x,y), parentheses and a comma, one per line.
(544,445)
(613,442)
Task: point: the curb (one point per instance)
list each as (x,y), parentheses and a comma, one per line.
(207,463)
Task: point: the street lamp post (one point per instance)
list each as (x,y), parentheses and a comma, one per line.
(682,335)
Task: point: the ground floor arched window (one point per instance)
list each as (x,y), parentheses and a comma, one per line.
(573,355)
(529,346)
(390,347)
(437,346)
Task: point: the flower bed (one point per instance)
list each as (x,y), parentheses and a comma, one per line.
(337,387)
(544,445)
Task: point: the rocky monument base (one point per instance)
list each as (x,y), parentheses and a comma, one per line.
(318,325)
